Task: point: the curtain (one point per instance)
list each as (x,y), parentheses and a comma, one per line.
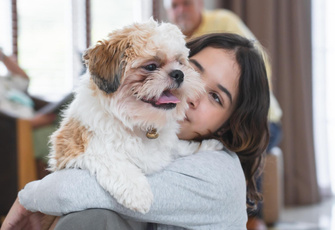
(284,29)
(14,26)
(88,22)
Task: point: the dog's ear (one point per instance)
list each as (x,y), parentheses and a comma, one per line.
(106,63)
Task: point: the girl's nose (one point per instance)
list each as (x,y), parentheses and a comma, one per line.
(193,104)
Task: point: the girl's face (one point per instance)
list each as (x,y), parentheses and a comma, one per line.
(220,73)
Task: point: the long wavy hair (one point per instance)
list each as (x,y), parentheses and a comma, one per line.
(246,131)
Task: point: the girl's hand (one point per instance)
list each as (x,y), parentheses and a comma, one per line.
(19,218)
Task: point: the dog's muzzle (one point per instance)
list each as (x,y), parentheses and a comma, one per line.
(178,76)
(167,100)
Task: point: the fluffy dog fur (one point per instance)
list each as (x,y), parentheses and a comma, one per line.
(134,79)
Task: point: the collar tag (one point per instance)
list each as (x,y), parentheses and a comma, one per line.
(152,133)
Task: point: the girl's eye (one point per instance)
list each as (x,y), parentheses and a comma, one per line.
(216,98)
(150,67)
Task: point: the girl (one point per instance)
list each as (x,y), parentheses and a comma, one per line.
(206,190)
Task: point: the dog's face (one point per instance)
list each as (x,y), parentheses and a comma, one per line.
(143,73)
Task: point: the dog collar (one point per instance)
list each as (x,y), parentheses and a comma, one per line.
(152,133)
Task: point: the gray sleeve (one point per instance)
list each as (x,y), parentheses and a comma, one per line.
(205,189)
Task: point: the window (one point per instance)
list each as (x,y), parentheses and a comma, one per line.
(323,92)
(44,45)
(113,14)
(52,36)
(110,15)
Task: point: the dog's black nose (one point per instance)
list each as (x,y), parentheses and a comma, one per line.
(178,76)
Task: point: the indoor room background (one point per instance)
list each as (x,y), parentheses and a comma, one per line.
(49,37)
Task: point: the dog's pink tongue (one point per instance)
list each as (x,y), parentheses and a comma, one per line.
(167,97)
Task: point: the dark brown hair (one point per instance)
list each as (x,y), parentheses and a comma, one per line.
(246,131)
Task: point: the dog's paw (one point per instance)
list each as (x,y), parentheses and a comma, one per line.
(128,186)
(137,198)
(211,144)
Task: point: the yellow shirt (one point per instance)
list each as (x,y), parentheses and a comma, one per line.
(225,21)
(222,21)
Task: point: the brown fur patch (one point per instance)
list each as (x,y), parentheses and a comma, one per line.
(70,141)
(108,59)
(106,65)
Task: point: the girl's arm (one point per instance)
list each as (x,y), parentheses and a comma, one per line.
(205,188)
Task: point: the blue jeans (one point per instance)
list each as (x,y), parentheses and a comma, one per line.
(276,134)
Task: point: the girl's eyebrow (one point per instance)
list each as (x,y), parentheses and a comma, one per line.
(197,64)
(226,91)
(223,89)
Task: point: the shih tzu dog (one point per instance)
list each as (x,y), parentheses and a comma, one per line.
(123,121)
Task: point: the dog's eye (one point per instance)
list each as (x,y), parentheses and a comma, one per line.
(151,67)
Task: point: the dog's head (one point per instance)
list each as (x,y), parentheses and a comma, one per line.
(144,73)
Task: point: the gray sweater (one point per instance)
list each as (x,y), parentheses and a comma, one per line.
(202,191)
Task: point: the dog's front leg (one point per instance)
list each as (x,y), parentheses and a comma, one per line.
(127,184)
(186,148)
(211,145)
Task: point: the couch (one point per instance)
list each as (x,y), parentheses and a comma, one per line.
(273,186)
